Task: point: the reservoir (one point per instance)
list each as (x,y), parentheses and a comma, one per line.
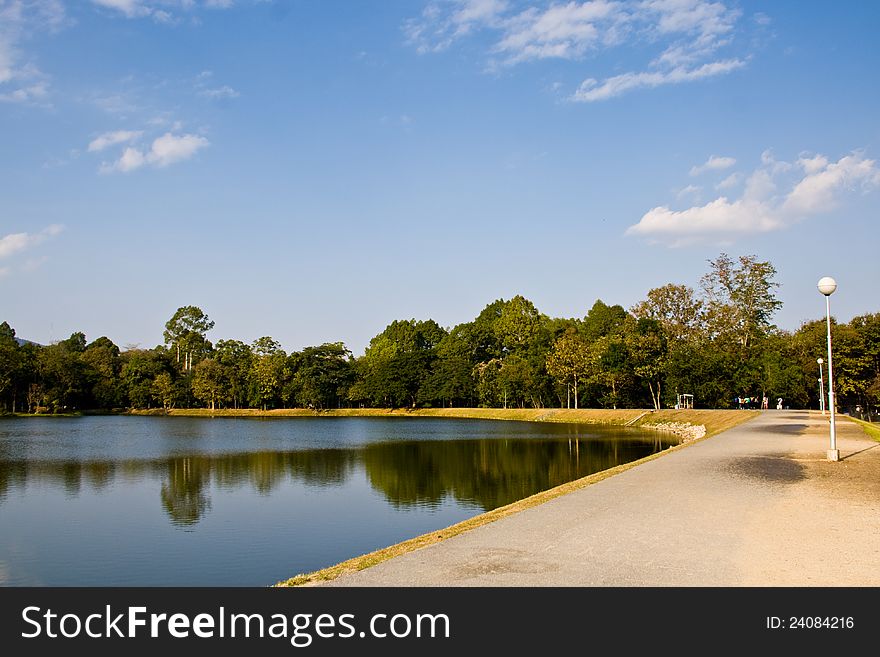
(177,501)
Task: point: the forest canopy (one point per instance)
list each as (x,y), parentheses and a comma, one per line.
(716,342)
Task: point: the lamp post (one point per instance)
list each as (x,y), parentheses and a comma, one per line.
(827,286)
(821,387)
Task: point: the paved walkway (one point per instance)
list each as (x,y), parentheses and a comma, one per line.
(758,505)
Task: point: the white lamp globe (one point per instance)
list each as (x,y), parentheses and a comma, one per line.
(827,285)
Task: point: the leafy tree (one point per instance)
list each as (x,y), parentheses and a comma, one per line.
(487,375)
(517,325)
(647,348)
(103,364)
(603,320)
(164,390)
(10,363)
(451,380)
(140,367)
(185,333)
(236,358)
(609,367)
(867,327)
(740,298)
(398,362)
(322,376)
(209,383)
(676,308)
(569,362)
(267,369)
(62,371)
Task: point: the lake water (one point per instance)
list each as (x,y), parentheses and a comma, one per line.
(159,501)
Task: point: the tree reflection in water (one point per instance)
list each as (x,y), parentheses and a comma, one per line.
(482,473)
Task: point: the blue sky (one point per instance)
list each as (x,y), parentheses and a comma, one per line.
(314,170)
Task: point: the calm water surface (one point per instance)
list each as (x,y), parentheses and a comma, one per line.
(147,501)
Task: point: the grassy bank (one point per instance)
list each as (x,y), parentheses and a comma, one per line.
(713,421)
(43,415)
(871,429)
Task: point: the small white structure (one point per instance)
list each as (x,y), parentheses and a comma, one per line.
(684,401)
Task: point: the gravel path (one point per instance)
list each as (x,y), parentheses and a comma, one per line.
(758,505)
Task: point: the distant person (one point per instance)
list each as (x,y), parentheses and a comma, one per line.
(779,404)
(766,403)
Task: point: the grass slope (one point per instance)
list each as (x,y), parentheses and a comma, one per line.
(714,421)
(870,429)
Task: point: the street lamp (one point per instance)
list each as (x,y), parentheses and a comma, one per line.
(827,286)
(821,387)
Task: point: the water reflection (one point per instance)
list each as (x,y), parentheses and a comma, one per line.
(423,473)
(183,492)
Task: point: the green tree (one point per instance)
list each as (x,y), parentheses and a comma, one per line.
(236,358)
(62,373)
(646,347)
(740,298)
(451,380)
(209,383)
(10,364)
(518,325)
(103,366)
(164,390)
(603,320)
(867,327)
(568,361)
(322,376)
(267,369)
(676,308)
(140,367)
(398,363)
(609,368)
(185,334)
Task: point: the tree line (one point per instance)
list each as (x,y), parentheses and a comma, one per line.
(716,342)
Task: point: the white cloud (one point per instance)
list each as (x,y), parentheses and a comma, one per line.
(731,181)
(223,92)
(564,31)
(220,93)
(130,160)
(714,163)
(169,148)
(688,34)
(814,186)
(759,186)
(21,81)
(720,216)
(591,90)
(130,8)
(819,190)
(441,23)
(17,242)
(113,138)
(164,151)
(27,94)
(813,164)
(690,190)
(159,10)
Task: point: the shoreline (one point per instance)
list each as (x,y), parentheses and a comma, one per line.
(681,422)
